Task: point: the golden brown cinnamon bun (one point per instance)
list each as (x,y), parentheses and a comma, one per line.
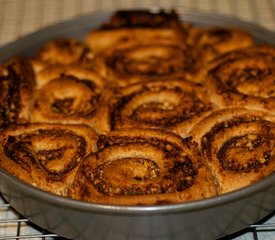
(17,86)
(244,78)
(46,156)
(130,63)
(99,40)
(239,146)
(218,40)
(143,19)
(142,167)
(61,51)
(137,26)
(77,71)
(174,105)
(68,95)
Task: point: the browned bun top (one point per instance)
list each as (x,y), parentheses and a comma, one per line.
(141,167)
(145,110)
(142,19)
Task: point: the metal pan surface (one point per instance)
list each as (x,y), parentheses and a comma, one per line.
(205,219)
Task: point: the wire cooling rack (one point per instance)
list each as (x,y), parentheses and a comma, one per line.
(15,226)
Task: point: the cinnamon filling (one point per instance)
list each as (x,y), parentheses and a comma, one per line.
(140,169)
(153,61)
(244,153)
(10,97)
(247,76)
(69,102)
(164,108)
(56,151)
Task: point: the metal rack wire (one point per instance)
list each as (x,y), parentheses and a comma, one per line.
(19,227)
(22,228)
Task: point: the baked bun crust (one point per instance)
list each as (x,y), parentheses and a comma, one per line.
(44,155)
(244,77)
(61,51)
(143,167)
(215,41)
(173,104)
(137,26)
(68,95)
(130,63)
(17,86)
(239,146)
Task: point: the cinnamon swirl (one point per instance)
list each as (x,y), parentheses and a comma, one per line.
(131,63)
(218,40)
(17,86)
(142,167)
(80,72)
(238,145)
(244,78)
(46,156)
(174,105)
(137,26)
(68,95)
(62,51)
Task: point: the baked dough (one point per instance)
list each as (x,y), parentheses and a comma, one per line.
(68,95)
(215,41)
(143,167)
(244,77)
(44,155)
(238,144)
(129,63)
(174,105)
(17,87)
(143,19)
(62,51)
(79,72)
(137,26)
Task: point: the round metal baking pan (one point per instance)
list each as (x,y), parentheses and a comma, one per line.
(204,219)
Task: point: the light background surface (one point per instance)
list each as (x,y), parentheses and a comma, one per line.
(20,17)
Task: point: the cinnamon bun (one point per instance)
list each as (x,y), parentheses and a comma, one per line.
(80,72)
(143,19)
(46,156)
(62,51)
(175,105)
(17,86)
(68,95)
(130,63)
(137,26)
(238,145)
(218,40)
(143,167)
(244,78)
